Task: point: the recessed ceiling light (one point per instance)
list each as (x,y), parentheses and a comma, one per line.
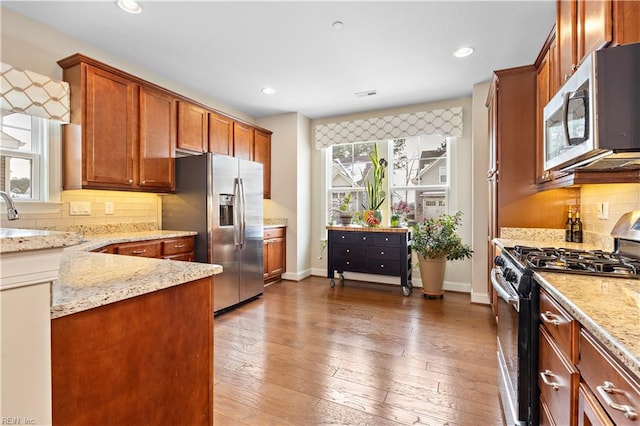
(463,51)
(268,90)
(129,6)
(337,25)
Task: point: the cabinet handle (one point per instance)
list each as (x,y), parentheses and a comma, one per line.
(144,182)
(342,237)
(548,373)
(178,246)
(609,388)
(348,263)
(364,238)
(547,319)
(382,266)
(381,252)
(386,239)
(348,251)
(139,251)
(130,181)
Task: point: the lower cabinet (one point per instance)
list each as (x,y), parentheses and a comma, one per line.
(179,248)
(274,253)
(580,382)
(144,360)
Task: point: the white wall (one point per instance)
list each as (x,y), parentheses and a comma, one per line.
(459,275)
(480,196)
(291,187)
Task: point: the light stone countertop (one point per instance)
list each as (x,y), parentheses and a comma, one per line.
(14,240)
(609,308)
(358,228)
(88,280)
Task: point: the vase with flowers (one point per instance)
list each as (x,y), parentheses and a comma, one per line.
(375,190)
(399,213)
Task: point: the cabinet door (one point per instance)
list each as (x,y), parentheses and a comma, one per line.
(566,39)
(193,131)
(276,256)
(265,259)
(626,21)
(109,130)
(543,95)
(220,134)
(242,141)
(594,26)
(262,154)
(158,116)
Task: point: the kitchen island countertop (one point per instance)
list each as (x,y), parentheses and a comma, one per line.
(88,280)
(609,308)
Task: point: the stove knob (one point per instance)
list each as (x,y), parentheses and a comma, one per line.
(499,261)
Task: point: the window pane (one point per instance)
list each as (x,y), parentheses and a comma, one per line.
(417,161)
(350,164)
(19,172)
(17,132)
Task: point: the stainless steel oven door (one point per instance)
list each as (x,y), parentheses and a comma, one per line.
(508,311)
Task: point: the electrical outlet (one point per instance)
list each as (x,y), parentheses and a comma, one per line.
(108,207)
(79,208)
(602,210)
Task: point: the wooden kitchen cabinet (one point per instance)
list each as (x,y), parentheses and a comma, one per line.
(220,134)
(139,248)
(274,253)
(142,360)
(626,22)
(262,154)
(179,248)
(590,413)
(243,139)
(193,127)
(121,135)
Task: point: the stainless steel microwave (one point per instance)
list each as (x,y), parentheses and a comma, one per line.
(596,113)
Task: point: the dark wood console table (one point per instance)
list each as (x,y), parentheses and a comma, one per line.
(381,251)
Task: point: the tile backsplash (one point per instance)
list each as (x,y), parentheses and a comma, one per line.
(132,210)
(621,198)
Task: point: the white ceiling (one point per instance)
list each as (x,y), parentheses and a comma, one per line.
(229,51)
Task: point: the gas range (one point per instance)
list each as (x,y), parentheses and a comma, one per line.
(576,261)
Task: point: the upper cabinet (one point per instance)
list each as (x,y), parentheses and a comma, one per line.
(262,154)
(583,26)
(125,131)
(121,135)
(626,22)
(220,134)
(193,127)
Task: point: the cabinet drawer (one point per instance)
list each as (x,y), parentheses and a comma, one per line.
(274,233)
(142,249)
(377,252)
(341,251)
(185,257)
(351,264)
(557,380)
(389,240)
(177,246)
(609,382)
(560,325)
(590,412)
(384,267)
(343,237)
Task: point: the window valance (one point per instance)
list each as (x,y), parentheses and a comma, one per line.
(446,122)
(34,94)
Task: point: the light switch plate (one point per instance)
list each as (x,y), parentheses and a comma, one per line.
(108,207)
(79,208)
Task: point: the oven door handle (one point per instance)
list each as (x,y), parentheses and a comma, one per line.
(512,300)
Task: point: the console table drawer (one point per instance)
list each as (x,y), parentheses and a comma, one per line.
(343,251)
(389,240)
(384,267)
(378,252)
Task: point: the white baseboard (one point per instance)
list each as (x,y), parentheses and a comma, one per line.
(297,276)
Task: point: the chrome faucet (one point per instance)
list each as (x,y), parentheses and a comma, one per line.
(12,212)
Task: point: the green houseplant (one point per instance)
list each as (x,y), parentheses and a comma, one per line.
(435,241)
(344,209)
(375,190)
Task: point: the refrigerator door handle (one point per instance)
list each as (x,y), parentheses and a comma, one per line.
(237,214)
(243,219)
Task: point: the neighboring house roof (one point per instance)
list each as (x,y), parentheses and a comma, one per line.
(340,173)
(434,163)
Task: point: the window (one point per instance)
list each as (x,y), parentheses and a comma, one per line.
(25,156)
(417,174)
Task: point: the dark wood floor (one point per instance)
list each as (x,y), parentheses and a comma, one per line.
(362,354)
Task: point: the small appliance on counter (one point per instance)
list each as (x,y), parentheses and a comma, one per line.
(220,197)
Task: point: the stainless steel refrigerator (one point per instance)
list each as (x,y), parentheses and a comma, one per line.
(220,197)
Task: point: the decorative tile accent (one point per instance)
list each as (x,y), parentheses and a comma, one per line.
(446,122)
(34,94)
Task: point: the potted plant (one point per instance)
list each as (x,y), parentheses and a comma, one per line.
(435,241)
(375,190)
(344,209)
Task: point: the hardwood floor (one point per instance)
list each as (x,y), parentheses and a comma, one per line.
(358,354)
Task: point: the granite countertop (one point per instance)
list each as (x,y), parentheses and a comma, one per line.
(609,308)
(358,228)
(88,280)
(13,240)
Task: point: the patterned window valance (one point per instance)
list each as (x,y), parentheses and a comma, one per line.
(446,122)
(34,94)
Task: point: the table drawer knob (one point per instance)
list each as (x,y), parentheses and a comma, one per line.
(381,252)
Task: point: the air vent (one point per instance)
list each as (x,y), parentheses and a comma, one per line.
(366,93)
